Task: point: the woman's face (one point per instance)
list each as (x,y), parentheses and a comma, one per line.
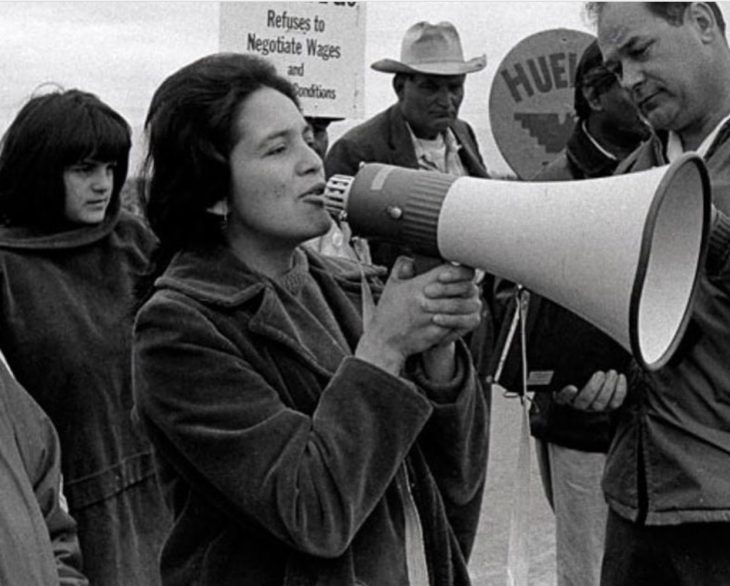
(277,179)
(88,186)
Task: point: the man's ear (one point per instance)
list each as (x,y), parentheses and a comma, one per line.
(704,20)
(592,97)
(219,208)
(398,82)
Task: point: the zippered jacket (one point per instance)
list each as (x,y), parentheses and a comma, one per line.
(38,537)
(670,459)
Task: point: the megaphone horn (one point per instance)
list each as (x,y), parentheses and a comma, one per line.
(622,252)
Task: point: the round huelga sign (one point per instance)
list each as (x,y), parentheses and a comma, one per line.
(531,101)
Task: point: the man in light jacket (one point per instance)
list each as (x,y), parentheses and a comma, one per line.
(667,477)
(37,535)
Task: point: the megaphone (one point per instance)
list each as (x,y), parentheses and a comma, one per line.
(622,252)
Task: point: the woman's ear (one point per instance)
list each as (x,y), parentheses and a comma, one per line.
(219,208)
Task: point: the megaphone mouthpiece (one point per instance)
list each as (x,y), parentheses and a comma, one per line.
(391,203)
(336,192)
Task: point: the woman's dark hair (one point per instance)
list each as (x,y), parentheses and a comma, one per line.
(52,132)
(191,131)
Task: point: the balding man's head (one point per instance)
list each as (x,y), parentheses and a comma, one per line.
(672,58)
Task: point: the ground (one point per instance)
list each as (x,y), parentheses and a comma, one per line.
(488,565)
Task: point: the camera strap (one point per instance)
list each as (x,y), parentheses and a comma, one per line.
(518,562)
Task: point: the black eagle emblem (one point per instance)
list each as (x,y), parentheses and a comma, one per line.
(550,132)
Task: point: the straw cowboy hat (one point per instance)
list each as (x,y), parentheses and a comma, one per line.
(433,49)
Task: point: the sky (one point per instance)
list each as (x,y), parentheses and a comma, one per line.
(123,50)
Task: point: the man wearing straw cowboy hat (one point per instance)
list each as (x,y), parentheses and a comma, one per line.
(421,131)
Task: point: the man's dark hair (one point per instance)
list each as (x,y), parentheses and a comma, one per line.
(590,73)
(672,12)
(52,132)
(399,80)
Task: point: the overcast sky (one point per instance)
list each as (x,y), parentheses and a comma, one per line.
(123,50)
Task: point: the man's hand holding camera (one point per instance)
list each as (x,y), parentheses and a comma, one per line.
(605,391)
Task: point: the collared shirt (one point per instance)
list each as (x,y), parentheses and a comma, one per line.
(675,148)
(438,154)
(596,144)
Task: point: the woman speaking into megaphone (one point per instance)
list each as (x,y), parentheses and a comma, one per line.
(306,431)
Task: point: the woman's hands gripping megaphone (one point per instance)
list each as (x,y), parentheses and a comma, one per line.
(419,313)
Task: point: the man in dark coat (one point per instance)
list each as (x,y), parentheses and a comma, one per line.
(422,131)
(571,444)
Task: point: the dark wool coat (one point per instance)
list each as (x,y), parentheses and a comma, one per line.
(564,341)
(384,138)
(278,453)
(66,309)
(38,541)
(670,458)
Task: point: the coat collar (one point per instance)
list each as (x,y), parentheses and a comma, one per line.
(586,157)
(29,238)
(404,154)
(216,277)
(653,152)
(648,154)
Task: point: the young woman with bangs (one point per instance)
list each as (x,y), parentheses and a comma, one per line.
(70,258)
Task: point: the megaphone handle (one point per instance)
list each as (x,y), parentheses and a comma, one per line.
(422,263)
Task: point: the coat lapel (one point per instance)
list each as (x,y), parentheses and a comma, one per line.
(469,153)
(402,152)
(303,334)
(299,332)
(218,278)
